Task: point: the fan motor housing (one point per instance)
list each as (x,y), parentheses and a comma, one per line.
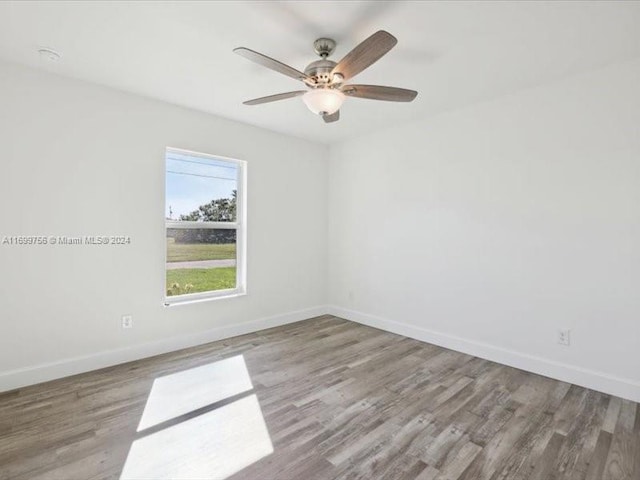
(320,70)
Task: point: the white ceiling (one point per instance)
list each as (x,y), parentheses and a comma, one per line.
(453,53)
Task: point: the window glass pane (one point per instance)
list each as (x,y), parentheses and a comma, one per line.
(200,260)
(200,189)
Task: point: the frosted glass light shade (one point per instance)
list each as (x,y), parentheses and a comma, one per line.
(323,101)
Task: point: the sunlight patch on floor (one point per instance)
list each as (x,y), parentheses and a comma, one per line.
(214,445)
(180,393)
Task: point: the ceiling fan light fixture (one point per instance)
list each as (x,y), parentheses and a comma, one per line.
(323,101)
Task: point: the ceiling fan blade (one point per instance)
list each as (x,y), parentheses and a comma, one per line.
(275,98)
(271,63)
(365,54)
(377,92)
(334,117)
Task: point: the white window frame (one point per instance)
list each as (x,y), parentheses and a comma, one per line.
(240,226)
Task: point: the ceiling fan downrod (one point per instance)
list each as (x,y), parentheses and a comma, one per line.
(324,47)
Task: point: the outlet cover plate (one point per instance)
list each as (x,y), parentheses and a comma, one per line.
(564,337)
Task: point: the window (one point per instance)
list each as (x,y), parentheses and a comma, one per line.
(205,226)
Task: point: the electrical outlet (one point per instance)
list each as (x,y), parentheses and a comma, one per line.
(564,337)
(127,321)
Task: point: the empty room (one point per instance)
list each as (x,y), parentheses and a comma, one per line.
(320,240)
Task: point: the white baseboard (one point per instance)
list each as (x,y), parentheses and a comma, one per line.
(12,379)
(599,381)
(602,382)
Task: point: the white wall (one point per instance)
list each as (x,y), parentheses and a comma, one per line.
(79,159)
(488,228)
(484,229)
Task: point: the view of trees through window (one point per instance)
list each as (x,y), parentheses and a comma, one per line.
(201,224)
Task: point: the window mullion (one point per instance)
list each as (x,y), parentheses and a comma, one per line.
(202,225)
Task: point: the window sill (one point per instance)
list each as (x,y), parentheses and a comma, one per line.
(174,302)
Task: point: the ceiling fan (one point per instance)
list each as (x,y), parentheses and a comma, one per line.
(325,78)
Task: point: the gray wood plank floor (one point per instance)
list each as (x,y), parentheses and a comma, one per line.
(338,400)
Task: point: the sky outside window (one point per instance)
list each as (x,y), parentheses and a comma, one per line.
(193,181)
